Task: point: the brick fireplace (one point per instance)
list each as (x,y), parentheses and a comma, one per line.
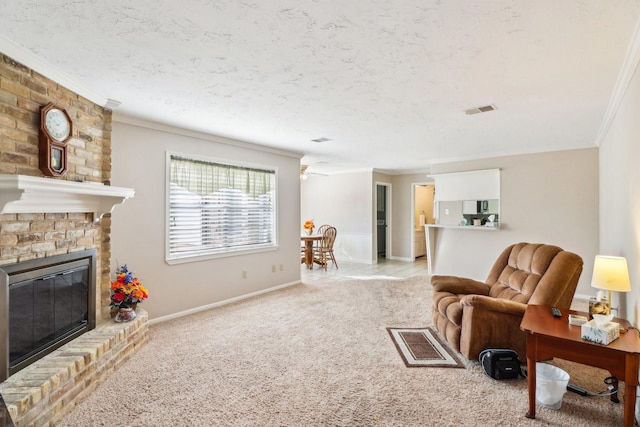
(47,389)
(46,217)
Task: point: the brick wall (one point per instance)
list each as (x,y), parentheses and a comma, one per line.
(27,236)
(42,393)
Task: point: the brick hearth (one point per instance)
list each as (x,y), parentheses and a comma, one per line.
(45,391)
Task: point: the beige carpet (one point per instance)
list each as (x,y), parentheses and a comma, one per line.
(317,355)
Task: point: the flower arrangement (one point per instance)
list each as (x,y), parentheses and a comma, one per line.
(308,226)
(126,290)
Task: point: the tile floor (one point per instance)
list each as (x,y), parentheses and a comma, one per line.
(347,270)
(384,267)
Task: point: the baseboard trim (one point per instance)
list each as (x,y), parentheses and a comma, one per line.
(220,303)
(400,258)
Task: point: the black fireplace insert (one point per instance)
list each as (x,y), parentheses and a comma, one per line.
(44,303)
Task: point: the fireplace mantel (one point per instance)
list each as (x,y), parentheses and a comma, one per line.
(30,194)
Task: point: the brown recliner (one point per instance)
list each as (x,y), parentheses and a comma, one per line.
(474,316)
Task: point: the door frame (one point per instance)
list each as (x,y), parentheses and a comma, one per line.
(412,214)
(388,215)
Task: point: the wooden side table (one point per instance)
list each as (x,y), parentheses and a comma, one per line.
(549,337)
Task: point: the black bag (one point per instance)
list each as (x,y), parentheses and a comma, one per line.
(500,363)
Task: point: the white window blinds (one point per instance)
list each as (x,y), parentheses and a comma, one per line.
(219,209)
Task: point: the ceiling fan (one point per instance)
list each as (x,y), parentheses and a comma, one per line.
(304,175)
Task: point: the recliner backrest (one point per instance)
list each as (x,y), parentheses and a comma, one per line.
(533,273)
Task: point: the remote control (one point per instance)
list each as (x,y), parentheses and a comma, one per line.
(556,312)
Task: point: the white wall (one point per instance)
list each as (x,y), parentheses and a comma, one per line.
(344,201)
(620,194)
(138,226)
(547,198)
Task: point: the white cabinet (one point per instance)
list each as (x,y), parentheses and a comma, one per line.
(420,243)
(469,185)
(469,207)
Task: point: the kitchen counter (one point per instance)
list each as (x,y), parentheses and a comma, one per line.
(429,230)
(465,227)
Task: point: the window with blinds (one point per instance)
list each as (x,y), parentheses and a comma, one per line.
(218,209)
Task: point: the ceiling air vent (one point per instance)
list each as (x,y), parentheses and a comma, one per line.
(477,110)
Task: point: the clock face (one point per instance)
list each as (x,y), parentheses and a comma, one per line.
(57,124)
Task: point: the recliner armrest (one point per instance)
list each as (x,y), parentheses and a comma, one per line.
(494,304)
(459,285)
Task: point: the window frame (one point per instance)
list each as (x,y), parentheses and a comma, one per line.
(228,252)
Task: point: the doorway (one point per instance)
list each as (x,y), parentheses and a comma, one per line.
(422,212)
(383,214)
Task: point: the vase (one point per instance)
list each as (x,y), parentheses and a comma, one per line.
(113,311)
(309,231)
(125,314)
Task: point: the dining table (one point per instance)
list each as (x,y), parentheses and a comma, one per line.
(308,240)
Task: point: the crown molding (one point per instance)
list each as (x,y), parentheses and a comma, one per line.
(124,118)
(629,66)
(30,60)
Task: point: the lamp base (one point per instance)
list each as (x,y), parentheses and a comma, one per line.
(599,307)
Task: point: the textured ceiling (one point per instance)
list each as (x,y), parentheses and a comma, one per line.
(386,81)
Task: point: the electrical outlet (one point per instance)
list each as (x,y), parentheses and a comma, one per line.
(273,268)
(244,274)
(446,211)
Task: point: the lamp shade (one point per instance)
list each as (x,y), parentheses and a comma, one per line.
(611,273)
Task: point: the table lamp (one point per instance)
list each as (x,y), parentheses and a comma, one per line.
(610,273)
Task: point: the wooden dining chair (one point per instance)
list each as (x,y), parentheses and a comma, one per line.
(321,231)
(326,248)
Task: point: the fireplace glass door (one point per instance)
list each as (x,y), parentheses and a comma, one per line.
(46,310)
(44,303)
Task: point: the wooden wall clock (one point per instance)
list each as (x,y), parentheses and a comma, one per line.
(55,131)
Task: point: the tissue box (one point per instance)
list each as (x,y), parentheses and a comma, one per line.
(602,334)
(577,320)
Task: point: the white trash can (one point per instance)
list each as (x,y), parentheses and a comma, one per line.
(638,404)
(551,385)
